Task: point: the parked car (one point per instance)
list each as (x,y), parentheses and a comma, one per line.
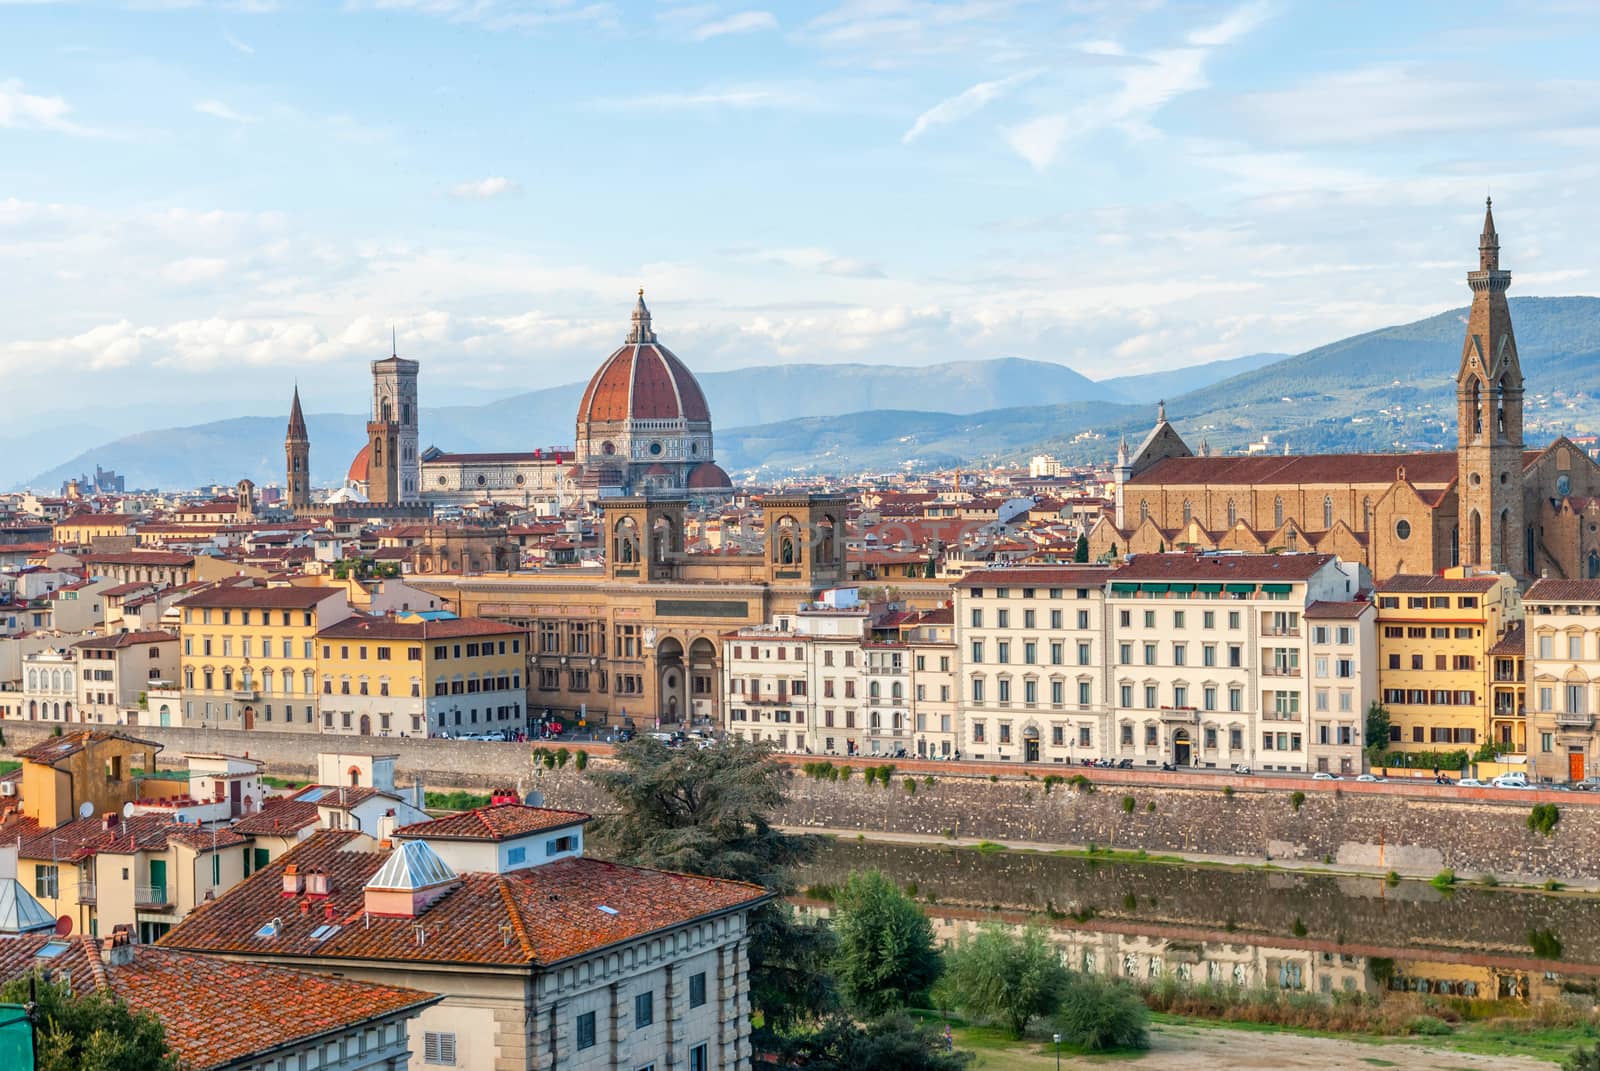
(1241,769)
(1519,781)
(1471,782)
(1370,778)
(1324,775)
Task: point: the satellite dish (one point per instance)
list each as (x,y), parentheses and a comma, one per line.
(127,809)
(85,809)
(63,925)
(534,799)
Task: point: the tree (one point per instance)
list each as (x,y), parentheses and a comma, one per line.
(1080,553)
(91,1031)
(886,957)
(999,975)
(1582,1059)
(1377,732)
(893,1043)
(706,811)
(1098,1015)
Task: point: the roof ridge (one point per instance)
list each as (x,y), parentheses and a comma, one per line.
(517,925)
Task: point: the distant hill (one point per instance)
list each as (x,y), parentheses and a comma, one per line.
(1384,390)
(224,451)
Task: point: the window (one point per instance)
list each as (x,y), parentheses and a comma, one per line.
(698,1058)
(644,1009)
(47,882)
(585,1030)
(697,989)
(439,1048)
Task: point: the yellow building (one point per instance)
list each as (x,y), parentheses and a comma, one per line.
(1434,667)
(409,675)
(249,655)
(62,774)
(84,528)
(1508,691)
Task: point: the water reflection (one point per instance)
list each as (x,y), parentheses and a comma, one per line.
(1248,927)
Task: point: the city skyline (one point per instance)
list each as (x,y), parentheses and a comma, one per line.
(892,183)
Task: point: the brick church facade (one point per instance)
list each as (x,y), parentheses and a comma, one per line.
(1490,503)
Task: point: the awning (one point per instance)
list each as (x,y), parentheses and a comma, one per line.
(1246,588)
(1124,589)
(1154,586)
(1182,587)
(1208,587)
(1277,589)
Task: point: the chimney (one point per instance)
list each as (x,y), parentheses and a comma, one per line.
(118,951)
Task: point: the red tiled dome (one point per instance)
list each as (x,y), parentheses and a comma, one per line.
(642,380)
(361,465)
(708,476)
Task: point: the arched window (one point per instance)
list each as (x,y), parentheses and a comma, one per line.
(895,691)
(1327,511)
(1188,511)
(1233,513)
(1144,509)
(874,690)
(1277,512)
(33,680)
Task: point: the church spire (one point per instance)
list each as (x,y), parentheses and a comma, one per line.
(641,332)
(297,420)
(1488,241)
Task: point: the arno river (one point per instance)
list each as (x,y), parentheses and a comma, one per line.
(1256,928)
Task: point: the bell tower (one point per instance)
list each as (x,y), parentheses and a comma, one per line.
(1489,420)
(297,461)
(393,466)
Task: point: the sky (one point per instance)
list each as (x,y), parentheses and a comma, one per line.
(202,204)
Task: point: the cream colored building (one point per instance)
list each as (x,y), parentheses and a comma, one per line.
(1562,627)
(799,683)
(1342,648)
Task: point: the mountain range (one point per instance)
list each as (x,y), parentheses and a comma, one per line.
(1384,390)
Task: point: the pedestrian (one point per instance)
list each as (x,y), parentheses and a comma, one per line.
(949,1039)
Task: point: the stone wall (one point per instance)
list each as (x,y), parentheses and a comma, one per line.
(1416,830)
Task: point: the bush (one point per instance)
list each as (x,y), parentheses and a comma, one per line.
(1543,818)
(1427,1026)
(1299,927)
(1127,805)
(1001,976)
(1099,1015)
(1150,807)
(1391,879)
(911,786)
(1552,885)
(845,772)
(1582,1059)
(1051,781)
(1227,790)
(1545,944)
(581,760)
(1081,783)
(1444,879)
(1297,799)
(994,779)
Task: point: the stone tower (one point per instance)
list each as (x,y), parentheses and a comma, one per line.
(1489,421)
(297,462)
(393,468)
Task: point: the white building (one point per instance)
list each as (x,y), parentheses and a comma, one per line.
(1562,627)
(1041,466)
(1342,639)
(115,673)
(799,681)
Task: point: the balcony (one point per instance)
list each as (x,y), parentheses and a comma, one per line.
(151,898)
(1285,633)
(1568,719)
(87,894)
(1180,715)
(1280,671)
(246,695)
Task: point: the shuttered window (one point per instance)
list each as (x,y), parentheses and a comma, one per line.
(439,1049)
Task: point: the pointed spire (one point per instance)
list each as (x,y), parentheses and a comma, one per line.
(641,323)
(297,420)
(394,342)
(1161,411)
(1488,241)
(1122,450)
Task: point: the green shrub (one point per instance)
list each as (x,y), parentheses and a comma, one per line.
(870,774)
(928,781)
(1081,783)
(1297,799)
(562,755)
(1543,818)
(1099,1015)
(846,772)
(911,786)
(1299,927)
(1150,807)
(1545,944)
(581,760)
(994,779)
(1489,879)
(1428,1026)
(1051,781)
(1127,805)
(1391,879)
(1444,879)
(1552,885)
(1227,790)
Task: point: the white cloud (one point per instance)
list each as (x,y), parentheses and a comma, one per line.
(964,104)
(237,45)
(1234,25)
(218,110)
(820,261)
(24,111)
(736,97)
(742,22)
(484,189)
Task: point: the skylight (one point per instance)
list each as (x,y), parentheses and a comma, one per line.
(270,929)
(609,910)
(322,933)
(52,948)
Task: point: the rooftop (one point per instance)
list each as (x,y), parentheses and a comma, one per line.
(1545,590)
(1040,576)
(56,748)
(506,821)
(1336,611)
(232,596)
(1413,583)
(387,628)
(1278,567)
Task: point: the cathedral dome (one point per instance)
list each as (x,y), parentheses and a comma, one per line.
(708,476)
(642,380)
(360,466)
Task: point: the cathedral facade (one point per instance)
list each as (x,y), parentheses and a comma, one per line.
(1491,503)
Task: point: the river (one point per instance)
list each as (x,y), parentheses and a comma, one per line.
(1254,927)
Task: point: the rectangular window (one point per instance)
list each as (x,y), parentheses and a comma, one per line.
(439,1049)
(697,989)
(47,882)
(699,1059)
(585,1030)
(644,1009)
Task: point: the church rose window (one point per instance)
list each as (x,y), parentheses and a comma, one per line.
(655,448)
(1402,528)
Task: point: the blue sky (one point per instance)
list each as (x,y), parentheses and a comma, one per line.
(202,202)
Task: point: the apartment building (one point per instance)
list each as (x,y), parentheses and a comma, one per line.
(1435,634)
(1562,626)
(49,684)
(249,657)
(1508,690)
(417,674)
(887,675)
(1343,649)
(800,682)
(930,641)
(115,673)
(1031,650)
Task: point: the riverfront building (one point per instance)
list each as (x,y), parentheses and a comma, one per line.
(1562,629)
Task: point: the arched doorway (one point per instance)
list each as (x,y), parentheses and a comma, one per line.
(1182,748)
(703,675)
(1593,567)
(670,679)
(366,725)
(249,717)
(1030,744)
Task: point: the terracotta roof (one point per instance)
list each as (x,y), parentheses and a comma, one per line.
(285,598)
(297,421)
(278,817)
(1433,468)
(642,380)
(78,520)
(708,476)
(1040,576)
(216,1012)
(1336,611)
(1419,583)
(553,912)
(83,837)
(119,640)
(53,749)
(1223,566)
(1546,590)
(139,557)
(128,589)
(387,628)
(493,823)
(1514,642)
(360,465)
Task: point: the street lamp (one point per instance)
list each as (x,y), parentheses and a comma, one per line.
(1057,1038)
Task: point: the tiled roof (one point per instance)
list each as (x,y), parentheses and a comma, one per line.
(1417,583)
(279,598)
(541,914)
(1223,566)
(119,640)
(493,823)
(278,817)
(54,749)
(387,628)
(1435,467)
(1336,611)
(1514,642)
(1546,590)
(83,837)
(1040,576)
(215,1012)
(139,557)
